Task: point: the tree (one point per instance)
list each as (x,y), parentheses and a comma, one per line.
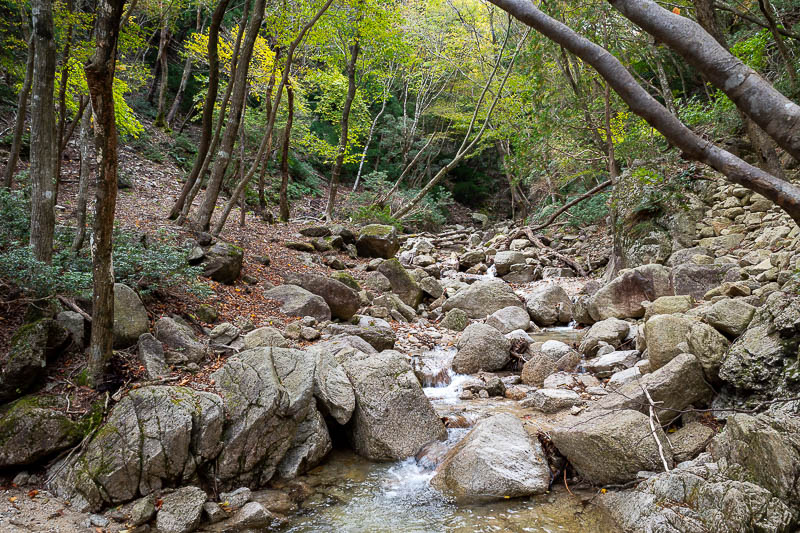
(287,135)
(784,194)
(100,80)
(44,145)
(19,124)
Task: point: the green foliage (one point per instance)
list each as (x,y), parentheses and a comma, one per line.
(373,214)
(753,50)
(590,211)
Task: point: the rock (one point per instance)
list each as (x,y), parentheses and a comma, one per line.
(309,446)
(332,388)
(731,316)
(509,319)
(623,296)
(151,355)
(610,447)
(252,515)
(504,260)
(223,262)
(299,302)
(214,513)
(557,272)
(664,336)
(31,431)
(341,299)
(690,440)
(455,320)
(685,255)
(522,273)
(549,305)
(378,336)
(609,363)
(480,219)
(266,336)
(668,305)
(181,510)
(623,377)
(483,298)
(376,240)
(30,347)
(709,346)
(267,393)
(695,280)
(537,369)
(235,499)
(76,326)
(206,313)
(377,282)
(130,317)
(431,287)
(481,347)
(609,331)
(181,343)
(470,258)
(551,400)
(393,418)
(401,281)
(142,511)
(154,437)
(498,459)
(673,387)
(300,246)
(224,334)
(315,231)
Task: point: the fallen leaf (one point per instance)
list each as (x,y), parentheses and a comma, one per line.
(676,10)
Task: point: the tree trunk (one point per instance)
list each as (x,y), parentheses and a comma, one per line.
(62,103)
(784,194)
(163,67)
(44,145)
(287,135)
(778,116)
(207,121)
(83,187)
(769,14)
(100,80)
(19,125)
(348,103)
(187,71)
(369,140)
(206,209)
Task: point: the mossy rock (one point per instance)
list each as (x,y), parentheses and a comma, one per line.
(300,246)
(31,346)
(347,279)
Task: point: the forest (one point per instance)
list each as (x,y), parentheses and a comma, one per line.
(189,185)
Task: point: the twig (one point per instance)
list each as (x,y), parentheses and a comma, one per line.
(653,429)
(74,307)
(566,485)
(566,206)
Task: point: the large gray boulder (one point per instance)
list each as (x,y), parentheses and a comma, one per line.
(611,331)
(608,447)
(265,336)
(155,437)
(622,297)
(696,280)
(483,298)
(181,510)
(549,305)
(401,281)
(377,240)
(509,319)
(267,393)
(393,418)
(481,347)
(151,355)
(311,443)
(730,315)
(30,347)
(296,301)
(130,316)
(379,336)
(223,262)
(332,388)
(503,261)
(179,340)
(709,346)
(342,300)
(498,459)
(666,336)
(31,430)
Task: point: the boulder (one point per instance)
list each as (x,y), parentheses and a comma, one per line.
(610,446)
(75,324)
(611,331)
(341,299)
(31,430)
(666,336)
(379,336)
(605,365)
(551,400)
(730,315)
(481,347)
(311,443)
(509,319)
(401,281)
(377,240)
(537,369)
(180,341)
(315,231)
(151,355)
(181,510)
(696,280)
(155,437)
(498,459)
(622,297)
(668,305)
(296,301)
(332,388)
(549,305)
(252,516)
(455,320)
(393,418)
(483,298)
(377,282)
(709,346)
(503,261)
(685,255)
(265,336)
(690,440)
(30,347)
(130,316)
(431,287)
(223,262)
(470,258)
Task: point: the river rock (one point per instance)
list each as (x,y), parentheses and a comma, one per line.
(401,281)
(332,388)
(622,297)
(509,319)
(690,440)
(130,316)
(299,302)
(481,347)
(223,262)
(483,298)
(30,347)
(668,305)
(503,261)
(605,365)
(251,516)
(666,336)
(266,336)
(311,443)
(455,320)
(696,280)
(610,446)
(470,258)
(341,299)
(393,418)
(730,315)
(155,437)
(179,339)
(611,331)
(378,336)
(377,240)
(30,430)
(498,459)
(551,400)
(549,305)
(709,346)
(181,510)
(537,369)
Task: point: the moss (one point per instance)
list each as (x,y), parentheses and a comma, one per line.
(376,230)
(82,378)
(347,279)
(91,420)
